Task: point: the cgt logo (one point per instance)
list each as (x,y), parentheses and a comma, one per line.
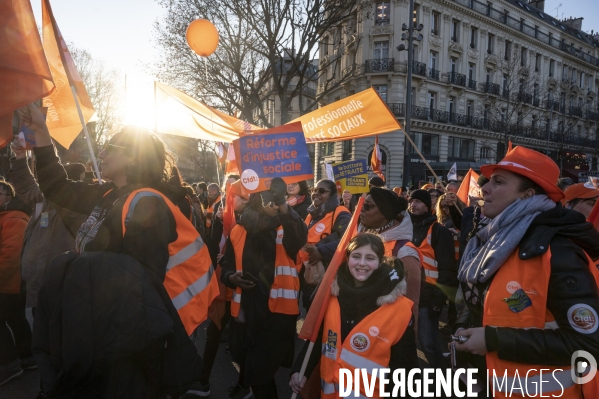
(584,367)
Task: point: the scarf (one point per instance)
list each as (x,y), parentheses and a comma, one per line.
(494,243)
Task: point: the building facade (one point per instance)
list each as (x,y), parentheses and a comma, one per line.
(485,73)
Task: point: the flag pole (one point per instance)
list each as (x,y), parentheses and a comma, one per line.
(89,141)
(304,365)
(217,168)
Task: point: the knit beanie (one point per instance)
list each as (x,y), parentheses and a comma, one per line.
(423,196)
(389,203)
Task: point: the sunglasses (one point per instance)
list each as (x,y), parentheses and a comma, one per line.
(111,147)
(368,206)
(320,191)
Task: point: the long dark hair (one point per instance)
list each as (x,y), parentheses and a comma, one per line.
(152,162)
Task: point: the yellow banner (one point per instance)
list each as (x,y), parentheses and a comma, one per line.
(361,115)
(182,115)
(63,119)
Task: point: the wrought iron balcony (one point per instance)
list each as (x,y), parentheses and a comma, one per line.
(492,88)
(594,116)
(398,109)
(506,93)
(525,97)
(575,111)
(380,65)
(456,78)
(536,102)
(433,74)
(472,84)
(419,68)
(430,114)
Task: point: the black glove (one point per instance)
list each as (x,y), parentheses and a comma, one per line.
(278,188)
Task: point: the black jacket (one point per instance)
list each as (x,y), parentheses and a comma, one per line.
(100,331)
(566,234)
(442,243)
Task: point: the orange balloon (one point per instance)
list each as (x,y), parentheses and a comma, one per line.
(202,37)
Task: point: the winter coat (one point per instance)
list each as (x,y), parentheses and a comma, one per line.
(442,243)
(101,328)
(265,341)
(13,221)
(44,240)
(566,234)
(328,245)
(403,353)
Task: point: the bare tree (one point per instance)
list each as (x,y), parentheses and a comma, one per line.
(101,84)
(266,48)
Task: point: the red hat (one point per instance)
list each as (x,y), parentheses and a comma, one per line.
(580,190)
(531,164)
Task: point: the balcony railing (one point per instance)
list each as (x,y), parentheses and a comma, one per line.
(456,78)
(492,88)
(506,93)
(552,104)
(419,68)
(536,102)
(380,65)
(398,109)
(305,90)
(433,74)
(472,84)
(575,111)
(594,116)
(525,97)
(474,122)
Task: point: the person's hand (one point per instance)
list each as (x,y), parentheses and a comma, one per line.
(278,188)
(346,196)
(17,149)
(314,256)
(296,384)
(237,279)
(219,214)
(476,341)
(450,199)
(33,118)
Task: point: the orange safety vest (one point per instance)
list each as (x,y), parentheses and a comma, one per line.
(368,345)
(211,211)
(429,263)
(389,245)
(320,230)
(284,292)
(532,276)
(190,280)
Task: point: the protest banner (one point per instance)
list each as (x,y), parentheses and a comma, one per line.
(361,115)
(351,176)
(277,152)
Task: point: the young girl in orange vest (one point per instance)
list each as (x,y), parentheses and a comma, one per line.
(368,319)
(529,284)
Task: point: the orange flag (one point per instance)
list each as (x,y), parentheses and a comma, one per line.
(376,161)
(319,306)
(231,165)
(509,146)
(63,119)
(468,187)
(24,73)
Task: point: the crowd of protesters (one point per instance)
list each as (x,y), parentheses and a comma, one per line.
(515,268)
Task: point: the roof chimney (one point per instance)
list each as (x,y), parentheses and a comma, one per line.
(540,4)
(575,23)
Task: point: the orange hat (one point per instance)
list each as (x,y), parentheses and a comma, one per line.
(531,164)
(580,190)
(427,186)
(237,189)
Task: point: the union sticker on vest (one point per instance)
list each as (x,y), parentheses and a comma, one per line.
(583,318)
(359,342)
(330,348)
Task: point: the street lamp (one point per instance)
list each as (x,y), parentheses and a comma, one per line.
(409,36)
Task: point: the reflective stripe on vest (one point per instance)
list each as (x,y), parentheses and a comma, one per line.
(429,262)
(390,245)
(456,246)
(190,279)
(367,346)
(532,276)
(284,292)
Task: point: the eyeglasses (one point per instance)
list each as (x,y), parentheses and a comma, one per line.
(110,147)
(320,191)
(368,206)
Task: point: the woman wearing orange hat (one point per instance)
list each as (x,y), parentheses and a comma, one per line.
(529,287)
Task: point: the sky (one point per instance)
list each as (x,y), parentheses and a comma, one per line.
(120,32)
